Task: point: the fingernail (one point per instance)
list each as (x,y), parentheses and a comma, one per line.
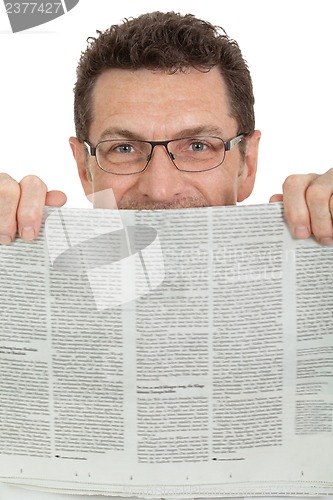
(27,233)
(326,241)
(5,239)
(302,232)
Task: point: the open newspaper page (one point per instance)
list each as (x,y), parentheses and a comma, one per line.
(173,353)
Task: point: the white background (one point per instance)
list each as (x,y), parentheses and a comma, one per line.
(288,45)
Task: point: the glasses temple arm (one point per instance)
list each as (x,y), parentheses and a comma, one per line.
(233,142)
(90,148)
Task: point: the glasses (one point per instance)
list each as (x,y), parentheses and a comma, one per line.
(190,154)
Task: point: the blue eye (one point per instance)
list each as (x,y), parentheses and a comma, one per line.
(198,146)
(124,148)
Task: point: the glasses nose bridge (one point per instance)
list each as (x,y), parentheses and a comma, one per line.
(153,144)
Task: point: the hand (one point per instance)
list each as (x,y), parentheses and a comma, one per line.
(308,205)
(21,206)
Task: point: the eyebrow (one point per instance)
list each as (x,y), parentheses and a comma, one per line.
(115,132)
(119,132)
(200,130)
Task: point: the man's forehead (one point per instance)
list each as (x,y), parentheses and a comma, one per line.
(129,84)
(136,100)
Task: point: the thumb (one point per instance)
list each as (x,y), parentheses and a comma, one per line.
(55,199)
(275,198)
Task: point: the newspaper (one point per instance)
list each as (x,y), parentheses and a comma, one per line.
(169,353)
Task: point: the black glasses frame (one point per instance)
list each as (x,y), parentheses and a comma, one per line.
(228,145)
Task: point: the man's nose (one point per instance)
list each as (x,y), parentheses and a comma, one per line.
(161,181)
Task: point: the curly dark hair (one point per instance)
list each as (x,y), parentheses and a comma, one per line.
(169,42)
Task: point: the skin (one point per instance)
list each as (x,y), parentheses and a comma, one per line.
(139,101)
(157,106)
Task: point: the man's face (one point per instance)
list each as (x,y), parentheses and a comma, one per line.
(153,105)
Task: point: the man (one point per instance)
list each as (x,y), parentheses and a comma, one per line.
(164,77)
(164,118)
